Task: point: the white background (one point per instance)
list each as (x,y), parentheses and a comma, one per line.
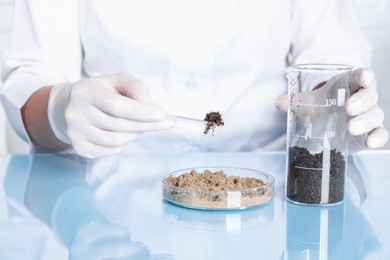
(375,22)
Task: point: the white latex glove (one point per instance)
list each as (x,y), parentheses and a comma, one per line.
(99,116)
(366,124)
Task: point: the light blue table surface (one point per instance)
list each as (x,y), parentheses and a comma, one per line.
(58,207)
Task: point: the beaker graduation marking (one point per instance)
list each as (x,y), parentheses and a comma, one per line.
(325,170)
(339,101)
(328,133)
(307,168)
(341,97)
(326,154)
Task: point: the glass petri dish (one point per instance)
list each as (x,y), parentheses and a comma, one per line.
(220,196)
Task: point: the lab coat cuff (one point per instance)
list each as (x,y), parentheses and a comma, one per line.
(57,103)
(15,96)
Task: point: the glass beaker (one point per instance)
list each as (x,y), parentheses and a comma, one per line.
(317,133)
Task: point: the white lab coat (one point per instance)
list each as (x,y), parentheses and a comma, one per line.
(195,56)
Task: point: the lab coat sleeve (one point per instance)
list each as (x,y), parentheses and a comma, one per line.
(327,31)
(44,49)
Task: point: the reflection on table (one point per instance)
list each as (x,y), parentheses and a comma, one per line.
(63,206)
(333,232)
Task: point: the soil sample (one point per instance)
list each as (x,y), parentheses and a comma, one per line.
(213,120)
(304,180)
(216,190)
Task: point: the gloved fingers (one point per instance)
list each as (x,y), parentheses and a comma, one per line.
(89,141)
(99,94)
(90,150)
(281,102)
(363,100)
(107,122)
(127,85)
(298,102)
(377,138)
(117,105)
(304,101)
(366,122)
(362,78)
(102,137)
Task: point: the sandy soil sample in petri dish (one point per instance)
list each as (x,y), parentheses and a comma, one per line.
(218,188)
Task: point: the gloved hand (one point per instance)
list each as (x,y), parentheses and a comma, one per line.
(366,124)
(99,116)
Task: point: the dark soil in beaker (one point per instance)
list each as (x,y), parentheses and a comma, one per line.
(304,180)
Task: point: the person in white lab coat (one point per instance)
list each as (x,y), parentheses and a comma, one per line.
(92,76)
